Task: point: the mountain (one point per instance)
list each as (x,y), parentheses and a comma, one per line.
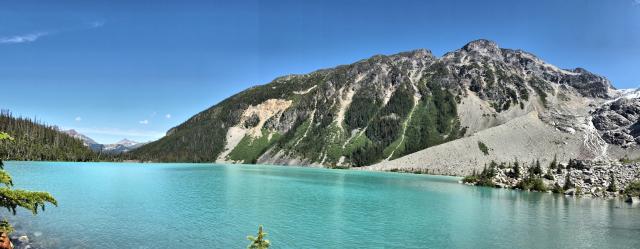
(121,146)
(36,141)
(87,141)
(410,110)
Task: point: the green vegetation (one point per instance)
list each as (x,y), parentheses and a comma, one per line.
(576,164)
(533,180)
(627,160)
(485,178)
(557,189)
(259,242)
(417,171)
(554,163)
(483,147)
(567,183)
(536,169)
(633,188)
(516,169)
(612,184)
(532,183)
(434,120)
(540,86)
(384,128)
(249,148)
(203,137)
(361,111)
(11,198)
(35,141)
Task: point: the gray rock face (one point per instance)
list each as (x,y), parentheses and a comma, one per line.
(618,121)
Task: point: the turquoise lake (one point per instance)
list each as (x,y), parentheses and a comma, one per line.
(120,205)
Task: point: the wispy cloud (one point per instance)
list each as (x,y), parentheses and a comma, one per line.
(97,24)
(168,116)
(24,38)
(78,119)
(144,122)
(635,3)
(34,36)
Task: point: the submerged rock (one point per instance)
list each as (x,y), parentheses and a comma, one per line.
(23,239)
(632,199)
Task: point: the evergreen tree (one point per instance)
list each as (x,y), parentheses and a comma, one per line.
(554,163)
(612,186)
(259,242)
(559,168)
(516,169)
(537,169)
(39,142)
(11,199)
(567,183)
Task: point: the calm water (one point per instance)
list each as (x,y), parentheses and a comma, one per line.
(108,205)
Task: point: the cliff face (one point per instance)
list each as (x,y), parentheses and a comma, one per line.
(618,121)
(386,107)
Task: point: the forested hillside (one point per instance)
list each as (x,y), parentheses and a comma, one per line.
(36,141)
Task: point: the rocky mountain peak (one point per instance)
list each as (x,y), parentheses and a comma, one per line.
(126,142)
(580,70)
(483,47)
(72,132)
(417,54)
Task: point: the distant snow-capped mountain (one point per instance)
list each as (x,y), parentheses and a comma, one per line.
(121,146)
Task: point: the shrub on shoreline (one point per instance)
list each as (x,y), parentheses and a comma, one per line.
(485,178)
(532,183)
(633,189)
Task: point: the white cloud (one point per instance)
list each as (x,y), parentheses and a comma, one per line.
(25,38)
(167,116)
(144,122)
(78,119)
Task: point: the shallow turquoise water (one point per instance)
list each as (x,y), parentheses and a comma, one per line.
(119,205)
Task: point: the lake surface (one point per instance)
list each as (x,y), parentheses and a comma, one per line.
(119,205)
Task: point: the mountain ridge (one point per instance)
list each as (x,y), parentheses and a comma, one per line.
(122,146)
(385,107)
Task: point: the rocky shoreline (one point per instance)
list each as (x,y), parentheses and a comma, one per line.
(24,237)
(602,179)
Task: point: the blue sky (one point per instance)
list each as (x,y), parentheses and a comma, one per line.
(116,69)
